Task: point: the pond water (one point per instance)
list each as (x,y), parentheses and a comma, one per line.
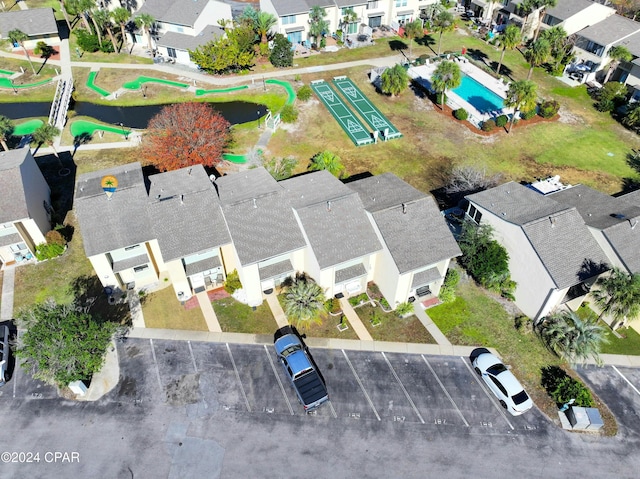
(234,112)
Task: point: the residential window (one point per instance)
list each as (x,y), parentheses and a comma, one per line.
(401,3)
(129,248)
(139,269)
(474,214)
(288,20)
(171,52)
(372,5)
(595,48)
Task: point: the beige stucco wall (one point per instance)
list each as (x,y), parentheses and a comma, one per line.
(178,278)
(589,16)
(250,279)
(102,267)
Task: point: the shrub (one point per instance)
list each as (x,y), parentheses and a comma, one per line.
(527,115)
(610,96)
(356,300)
(305,92)
(488,125)
(523,324)
(233,282)
(54,237)
(87,42)
(48,251)
(549,108)
(384,303)
(501,121)
(461,114)
(282,52)
(440,98)
(404,308)
(448,289)
(333,305)
(289,114)
(562,387)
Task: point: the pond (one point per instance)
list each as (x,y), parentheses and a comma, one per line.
(234,112)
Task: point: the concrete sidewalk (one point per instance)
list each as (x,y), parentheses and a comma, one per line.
(355,321)
(6,302)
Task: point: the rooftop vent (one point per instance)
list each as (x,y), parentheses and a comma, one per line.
(255,204)
(328,205)
(404,208)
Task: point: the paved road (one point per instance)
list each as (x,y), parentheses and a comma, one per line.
(189,409)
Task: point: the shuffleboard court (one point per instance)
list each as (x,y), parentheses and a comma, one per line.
(367,110)
(352,126)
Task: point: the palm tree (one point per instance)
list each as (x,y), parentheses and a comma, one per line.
(632,120)
(303,301)
(525,9)
(6,129)
(413,30)
(446,76)
(96,18)
(317,24)
(522,95)
(350,16)
(618,294)
(121,16)
(444,22)
(103,19)
(542,5)
(86,7)
(394,80)
(325,160)
(19,37)
(618,54)
(78,8)
(537,54)
(47,134)
(146,21)
(66,15)
(572,338)
(511,38)
(264,22)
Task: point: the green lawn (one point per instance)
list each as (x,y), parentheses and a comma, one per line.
(392,327)
(236,317)
(628,344)
(162,310)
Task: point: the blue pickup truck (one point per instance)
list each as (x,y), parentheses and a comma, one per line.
(307,382)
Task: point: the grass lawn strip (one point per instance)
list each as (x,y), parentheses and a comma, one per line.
(236,317)
(161,310)
(392,327)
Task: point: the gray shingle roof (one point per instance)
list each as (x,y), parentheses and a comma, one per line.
(110,224)
(259,216)
(416,234)
(616,218)
(633,197)
(349,3)
(13,203)
(333,218)
(276,269)
(557,232)
(384,191)
(178,12)
(185,213)
(610,30)
(297,7)
(349,273)
(33,22)
(567,8)
(425,277)
(181,41)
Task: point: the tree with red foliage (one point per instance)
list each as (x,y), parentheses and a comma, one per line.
(185,134)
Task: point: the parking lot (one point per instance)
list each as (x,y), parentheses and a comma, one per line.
(365,386)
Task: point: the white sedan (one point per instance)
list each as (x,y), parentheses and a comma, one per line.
(502,383)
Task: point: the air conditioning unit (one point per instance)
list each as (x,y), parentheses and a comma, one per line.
(131,286)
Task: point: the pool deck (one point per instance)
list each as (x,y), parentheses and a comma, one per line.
(422,74)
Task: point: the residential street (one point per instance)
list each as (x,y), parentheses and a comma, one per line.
(189,409)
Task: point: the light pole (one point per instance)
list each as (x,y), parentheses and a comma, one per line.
(15,90)
(258,112)
(144,91)
(124,132)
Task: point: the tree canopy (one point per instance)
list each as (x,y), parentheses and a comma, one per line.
(511,38)
(281,53)
(394,80)
(522,95)
(325,160)
(6,130)
(443,22)
(572,338)
(618,294)
(446,76)
(230,53)
(185,134)
(63,342)
(303,300)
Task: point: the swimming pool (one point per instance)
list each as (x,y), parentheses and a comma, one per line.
(480,97)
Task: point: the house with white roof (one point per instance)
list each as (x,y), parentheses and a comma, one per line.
(182,25)
(39,24)
(25,206)
(553,256)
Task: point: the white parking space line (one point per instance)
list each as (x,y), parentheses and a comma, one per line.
(333,411)
(366,395)
(406,393)
(193,359)
(453,403)
(490,396)
(628,382)
(155,361)
(275,373)
(233,362)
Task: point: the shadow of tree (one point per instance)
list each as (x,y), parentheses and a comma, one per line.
(478,55)
(81,139)
(62,187)
(90,293)
(504,69)
(427,41)
(398,45)
(590,268)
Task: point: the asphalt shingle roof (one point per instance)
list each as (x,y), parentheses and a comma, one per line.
(567,8)
(259,216)
(416,234)
(110,224)
(181,41)
(13,203)
(185,213)
(333,218)
(298,7)
(610,30)
(557,232)
(178,12)
(33,22)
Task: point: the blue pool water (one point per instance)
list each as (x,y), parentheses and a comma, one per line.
(483,99)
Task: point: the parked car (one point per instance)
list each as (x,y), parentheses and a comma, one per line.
(502,383)
(4,353)
(306,380)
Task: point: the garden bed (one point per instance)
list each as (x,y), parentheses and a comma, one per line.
(392,327)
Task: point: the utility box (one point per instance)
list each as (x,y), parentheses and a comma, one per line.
(595,420)
(578,417)
(78,387)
